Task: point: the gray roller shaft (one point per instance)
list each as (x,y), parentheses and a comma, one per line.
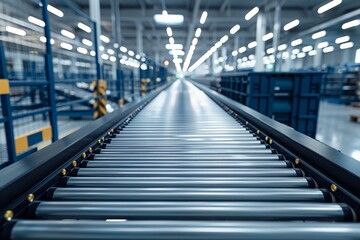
(174,148)
(194,152)
(189,194)
(182,136)
(268,182)
(180,230)
(265,157)
(183,142)
(163,172)
(185,164)
(129,128)
(259,211)
(185,131)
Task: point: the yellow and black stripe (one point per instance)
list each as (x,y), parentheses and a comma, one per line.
(4,87)
(25,141)
(100,99)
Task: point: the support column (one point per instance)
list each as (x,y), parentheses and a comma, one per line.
(276,32)
(260,48)
(224,57)
(96,17)
(139,38)
(215,56)
(236,47)
(157,57)
(318,56)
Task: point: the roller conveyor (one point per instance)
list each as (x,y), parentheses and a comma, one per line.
(182,168)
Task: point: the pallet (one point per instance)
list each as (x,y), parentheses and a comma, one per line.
(354,118)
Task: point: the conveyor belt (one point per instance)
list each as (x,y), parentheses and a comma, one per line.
(184,169)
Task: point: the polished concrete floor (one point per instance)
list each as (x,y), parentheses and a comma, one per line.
(335,129)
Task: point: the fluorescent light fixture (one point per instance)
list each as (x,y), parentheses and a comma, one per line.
(251,13)
(282,47)
(251,57)
(66,46)
(224,39)
(268,36)
(171,40)
(293,57)
(105,39)
(357,56)
(218,44)
(234,29)
(351,24)
(87,42)
(312,53)
(101,48)
(301,55)
(104,56)
(82,50)
(169,19)
(234,53)
(16,31)
(319,34)
(328,49)
(329,6)
(174,46)
(323,45)
(84,27)
(194,41)
(270,50)
(67,34)
(192,48)
(137,56)
(198,32)
(342,39)
(36,21)
(177,52)
(178,60)
(110,51)
(346,45)
(285,55)
(112,59)
(242,49)
(131,53)
(169,31)
(203,17)
(244,59)
(291,24)
(252,44)
(55,11)
(123,49)
(43,39)
(115,45)
(295,51)
(296,42)
(92,53)
(307,48)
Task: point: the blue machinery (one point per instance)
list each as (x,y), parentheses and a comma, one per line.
(57,97)
(182,164)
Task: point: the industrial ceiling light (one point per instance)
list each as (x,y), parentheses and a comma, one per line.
(110,51)
(346,45)
(268,36)
(328,49)
(224,39)
(234,29)
(307,48)
(84,27)
(87,42)
(351,24)
(174,46)
(43,39)
(104,56)
(301,55)
(270,50)
(291,24)
(323,45)
(66,46)
(171,40)
(67,34)
(296,42)
(328,6)
(295,51)
(198,32)
(194,41)
(16,31)
(242,49)
(252,44)
(131,53)
(203,17)
(177,52)
(82,50)
(169,19)
(123,49)
(342,39)
(55,11)
(251,13)
(169,31)
(104,38)
(319,34)
(282,47)
(36,21)
(312,53)
(234,53)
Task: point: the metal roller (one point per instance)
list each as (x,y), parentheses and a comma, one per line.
(193,152)
(184,142)
(190,194)
(179,230)
(184,164)
(191,211)
(163,172)
(204,182)
(171,148)
(264,157)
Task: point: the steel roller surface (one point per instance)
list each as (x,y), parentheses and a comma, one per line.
(184,169)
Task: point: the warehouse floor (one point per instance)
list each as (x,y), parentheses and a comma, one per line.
(335,129)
